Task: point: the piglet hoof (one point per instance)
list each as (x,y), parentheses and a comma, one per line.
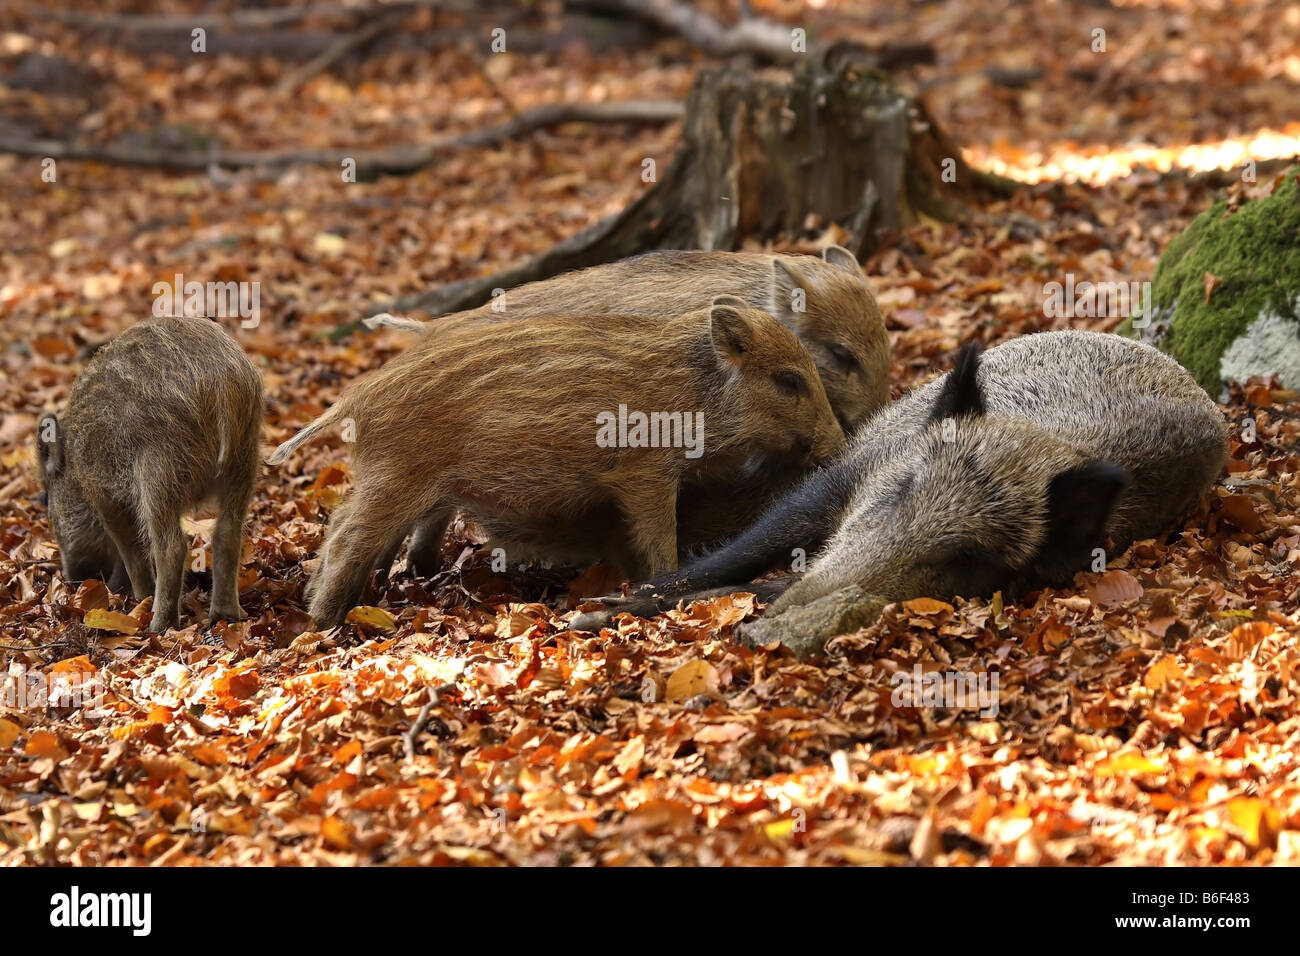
(162,622)
(225,614)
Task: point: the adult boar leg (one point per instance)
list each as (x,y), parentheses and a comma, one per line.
(651,605)
(794,527)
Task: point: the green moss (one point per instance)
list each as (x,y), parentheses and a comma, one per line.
(1255,251)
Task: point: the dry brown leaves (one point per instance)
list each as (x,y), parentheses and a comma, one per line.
(1145,715)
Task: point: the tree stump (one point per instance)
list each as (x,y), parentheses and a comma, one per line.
(764,155)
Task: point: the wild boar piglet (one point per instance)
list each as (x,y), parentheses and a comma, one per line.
(825,301)
(558,423)
(162,422)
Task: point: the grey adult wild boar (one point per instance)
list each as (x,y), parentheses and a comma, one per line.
(162,421)
(505,422)
(826,302)
(1005,473)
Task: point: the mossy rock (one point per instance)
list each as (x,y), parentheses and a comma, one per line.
(1251,325)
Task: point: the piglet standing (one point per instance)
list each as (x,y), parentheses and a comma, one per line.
(511,423)
(164,421)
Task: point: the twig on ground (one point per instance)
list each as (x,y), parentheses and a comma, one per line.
(384,21)
(408,740)
(400,159)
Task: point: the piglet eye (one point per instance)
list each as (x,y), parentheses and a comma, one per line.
(842,355)
(792,383)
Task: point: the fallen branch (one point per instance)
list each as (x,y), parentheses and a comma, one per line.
(758,37)
(435,695)
(652,221)
(751,35)
(749,143)
(237,19)
(401,159)
(384,21)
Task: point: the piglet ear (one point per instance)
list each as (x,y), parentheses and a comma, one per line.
(1079,504)
(733,336)
(49,445)
(841,258)
(960,394)
(726,298)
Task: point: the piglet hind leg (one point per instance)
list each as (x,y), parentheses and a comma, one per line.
(651,510)
(337,519)
(118,579)
(358,535)
(167,547)
(135,564)
(424,554)
(227,545)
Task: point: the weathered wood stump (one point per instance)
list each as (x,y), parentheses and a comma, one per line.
(764,155)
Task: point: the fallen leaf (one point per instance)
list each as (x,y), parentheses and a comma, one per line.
(375,618)
(115,621)
(42,743)
(1162,672)
(329,243)
(74,665)
(1258,821)
(692,679)
(336,834)
(1211,282)
(927,605)
(1115,588)
(1240,511)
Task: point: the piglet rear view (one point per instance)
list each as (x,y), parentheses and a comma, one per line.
(163,421)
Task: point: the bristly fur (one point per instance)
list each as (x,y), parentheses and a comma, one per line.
(164,419)
(838,310)
(1082,437)
(500,420)
(826,302)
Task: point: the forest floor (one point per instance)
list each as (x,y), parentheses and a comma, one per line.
(1147,715)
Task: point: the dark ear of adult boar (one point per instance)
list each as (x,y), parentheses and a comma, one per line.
(164,420)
